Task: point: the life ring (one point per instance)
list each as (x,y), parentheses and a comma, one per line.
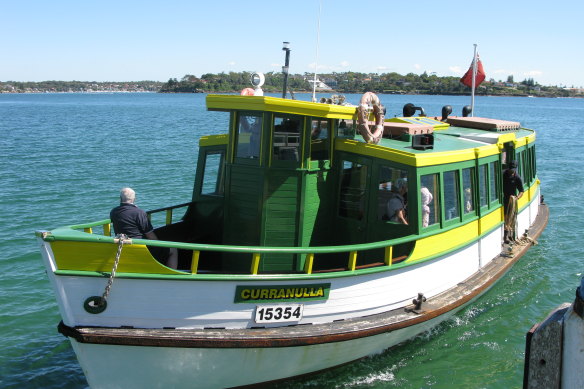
(247,92)
(370,101)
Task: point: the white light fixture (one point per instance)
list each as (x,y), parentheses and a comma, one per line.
(257,80)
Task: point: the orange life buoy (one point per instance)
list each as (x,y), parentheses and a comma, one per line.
(370,101)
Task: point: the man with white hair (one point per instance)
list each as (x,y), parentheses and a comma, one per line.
(132,221)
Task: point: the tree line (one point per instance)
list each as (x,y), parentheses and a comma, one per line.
(353,82)
(79,86)
(346,82)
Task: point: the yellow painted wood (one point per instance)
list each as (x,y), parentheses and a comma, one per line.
(352,260)
(490,220)
(107,229)
(276,104)
(413,159)
(528,194)
(255,263)
(195,261)
(308,263)
(445,241)
(87,256)
(168,216)
(389,255)
(506,137)
(88,230)
(213,140)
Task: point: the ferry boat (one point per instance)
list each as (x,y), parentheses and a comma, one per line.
(289,261)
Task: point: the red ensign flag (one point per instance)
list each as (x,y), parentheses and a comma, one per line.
(480,76)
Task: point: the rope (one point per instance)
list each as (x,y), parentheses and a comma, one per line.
(511,218)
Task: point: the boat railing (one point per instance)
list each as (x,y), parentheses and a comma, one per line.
(256,252)
(106,224)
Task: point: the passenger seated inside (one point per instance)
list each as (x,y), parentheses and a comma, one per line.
(468,207)
(427,199)
(396,206)
(132,221)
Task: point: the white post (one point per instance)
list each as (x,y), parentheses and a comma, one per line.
(474,76)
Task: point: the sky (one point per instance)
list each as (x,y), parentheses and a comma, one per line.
(90,40)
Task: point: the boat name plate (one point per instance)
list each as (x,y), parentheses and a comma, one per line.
(281,293)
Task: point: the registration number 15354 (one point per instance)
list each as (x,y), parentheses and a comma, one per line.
(278,313)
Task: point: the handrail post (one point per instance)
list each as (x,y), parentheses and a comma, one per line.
(352,260)
(255,263)
(389,255)
(308,263)
(195,261)
(169,216)
(107,229)
(89,230)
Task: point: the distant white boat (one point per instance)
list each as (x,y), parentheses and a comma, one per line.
(320,85)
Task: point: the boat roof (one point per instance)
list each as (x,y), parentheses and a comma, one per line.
(276,104)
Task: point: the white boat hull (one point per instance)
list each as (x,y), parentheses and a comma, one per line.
(238,356)
(166,367)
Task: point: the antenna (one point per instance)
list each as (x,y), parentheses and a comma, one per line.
(317,46)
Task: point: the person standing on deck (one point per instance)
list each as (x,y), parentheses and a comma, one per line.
(512,191)
(132,221)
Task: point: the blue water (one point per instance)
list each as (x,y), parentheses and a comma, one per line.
(64,157)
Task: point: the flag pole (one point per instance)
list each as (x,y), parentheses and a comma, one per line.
(317,46)
(474,75)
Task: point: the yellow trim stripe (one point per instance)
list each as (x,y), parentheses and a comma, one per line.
(490,220)
(412,159)
(444,241)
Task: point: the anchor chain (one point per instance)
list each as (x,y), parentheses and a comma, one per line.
(98,304)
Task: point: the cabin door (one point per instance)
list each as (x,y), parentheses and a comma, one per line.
(353,199)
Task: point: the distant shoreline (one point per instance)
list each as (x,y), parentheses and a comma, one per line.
(303,92)
(334,83)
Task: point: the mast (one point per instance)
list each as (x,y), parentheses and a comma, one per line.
(317,47)
(474,76)
(286,67)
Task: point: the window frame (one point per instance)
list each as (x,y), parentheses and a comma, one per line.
(247,160)
(301,131)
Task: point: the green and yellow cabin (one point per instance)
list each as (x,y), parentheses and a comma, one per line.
(294,174)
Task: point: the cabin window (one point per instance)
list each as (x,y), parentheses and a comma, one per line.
(521,162)
(346,129)
(249,129)
(319,140)
(353,190)
(213,175)
(451,192)
(493,196)
(533,162)
(468,195)
(393,196)
(286,141)
(483,185)
(429,200)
